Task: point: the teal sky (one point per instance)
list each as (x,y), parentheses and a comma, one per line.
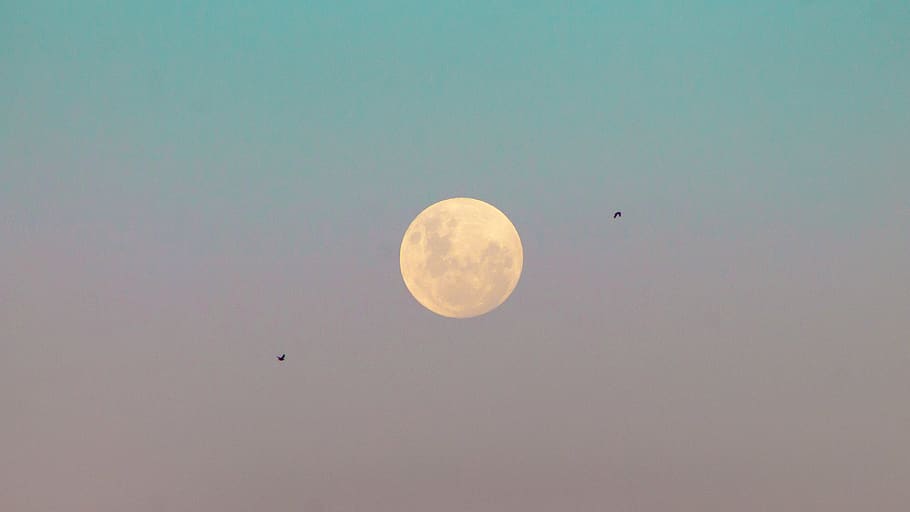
(234,178)
(709,106)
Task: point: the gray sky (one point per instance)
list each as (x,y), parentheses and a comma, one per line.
(188,190)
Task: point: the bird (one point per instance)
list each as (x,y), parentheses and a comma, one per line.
(281,357)
(617,214)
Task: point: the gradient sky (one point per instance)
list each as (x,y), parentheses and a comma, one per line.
(188,188)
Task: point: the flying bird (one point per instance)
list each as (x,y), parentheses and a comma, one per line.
(281,357)
(617,215)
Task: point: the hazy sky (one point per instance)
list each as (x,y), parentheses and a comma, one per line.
(188,188)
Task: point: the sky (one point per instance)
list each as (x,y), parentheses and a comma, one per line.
(189,188)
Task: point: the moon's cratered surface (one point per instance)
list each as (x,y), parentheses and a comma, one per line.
(461,257)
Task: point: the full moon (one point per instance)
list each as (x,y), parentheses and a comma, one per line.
(461,258)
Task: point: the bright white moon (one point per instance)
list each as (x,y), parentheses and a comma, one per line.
(461,258)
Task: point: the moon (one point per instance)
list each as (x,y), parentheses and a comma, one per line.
(461,258)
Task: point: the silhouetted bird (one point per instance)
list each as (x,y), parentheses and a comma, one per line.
(617,214)
(281,357)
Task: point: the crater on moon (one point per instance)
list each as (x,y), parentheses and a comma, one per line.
(461,258)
